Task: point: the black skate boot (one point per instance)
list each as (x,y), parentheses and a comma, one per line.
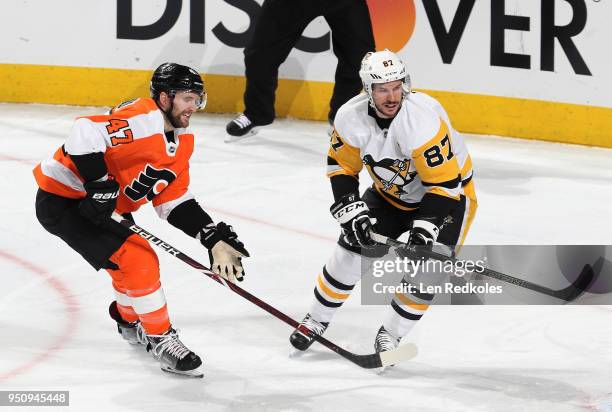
(300,339)
(173,355)
(239,128)
(132,332)
(385,341)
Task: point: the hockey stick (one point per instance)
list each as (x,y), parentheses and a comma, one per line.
(374,360)
(567,294)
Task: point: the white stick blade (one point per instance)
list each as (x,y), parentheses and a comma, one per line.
(402,353)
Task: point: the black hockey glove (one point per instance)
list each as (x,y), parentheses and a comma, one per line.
(354,218)
(100,202)
(225,251)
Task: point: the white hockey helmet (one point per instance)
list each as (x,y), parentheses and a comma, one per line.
(383,67)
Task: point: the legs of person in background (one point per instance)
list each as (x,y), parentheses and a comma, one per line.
(352,38)
(277,29)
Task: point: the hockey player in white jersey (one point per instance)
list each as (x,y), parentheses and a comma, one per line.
(423,192)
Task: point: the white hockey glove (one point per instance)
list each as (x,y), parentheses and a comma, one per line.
(224,250)
(423,233)
(354,218)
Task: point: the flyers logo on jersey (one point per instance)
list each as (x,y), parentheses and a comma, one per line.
(150,183)
(390,173)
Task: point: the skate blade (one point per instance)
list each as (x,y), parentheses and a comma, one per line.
(233,139)
(196,373)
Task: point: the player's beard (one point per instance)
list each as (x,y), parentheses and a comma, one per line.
(177,120)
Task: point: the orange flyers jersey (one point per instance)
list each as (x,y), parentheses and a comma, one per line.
(420,152)
(147,164)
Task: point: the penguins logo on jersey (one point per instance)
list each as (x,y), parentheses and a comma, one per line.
(390,173)
(150,183)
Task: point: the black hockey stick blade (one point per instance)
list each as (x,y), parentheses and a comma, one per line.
(567,294)
(373,360)
(579,286)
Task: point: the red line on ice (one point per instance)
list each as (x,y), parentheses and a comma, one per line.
(5,157)
(71,308)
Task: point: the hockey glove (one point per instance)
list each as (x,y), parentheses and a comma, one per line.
(100,201)
(354,218)
(423,233)
(225,251)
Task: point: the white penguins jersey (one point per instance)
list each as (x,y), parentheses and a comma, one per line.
(420,152)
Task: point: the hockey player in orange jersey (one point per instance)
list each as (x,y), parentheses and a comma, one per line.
(137,153)
(422,191)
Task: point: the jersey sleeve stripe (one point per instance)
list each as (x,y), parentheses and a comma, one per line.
(466,169)
(455,194)
(347,157)
(449,184)
(51,185)
(336,171)
(164,209)
(331,161)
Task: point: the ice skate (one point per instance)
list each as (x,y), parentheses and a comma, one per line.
(385,341)
(132,332)
(300,339)
(173,355)
(239,128)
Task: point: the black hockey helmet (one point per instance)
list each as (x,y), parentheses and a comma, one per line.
(173,77)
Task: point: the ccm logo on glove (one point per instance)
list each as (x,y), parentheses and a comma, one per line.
(344,214)
(355,220)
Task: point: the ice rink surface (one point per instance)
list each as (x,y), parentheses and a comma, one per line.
(57,335)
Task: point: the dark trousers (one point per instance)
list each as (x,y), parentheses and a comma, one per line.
(277,30)
(96,244)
